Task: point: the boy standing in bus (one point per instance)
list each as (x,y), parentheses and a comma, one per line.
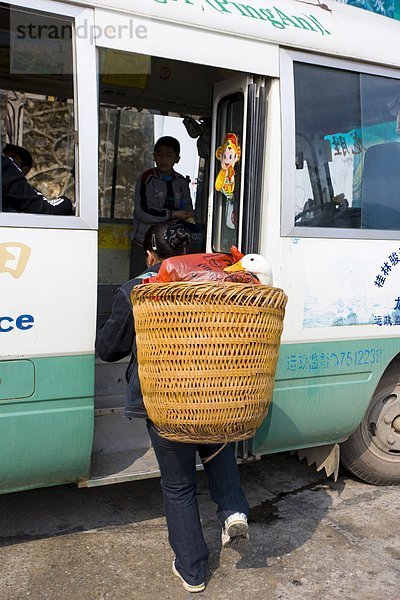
(161,193)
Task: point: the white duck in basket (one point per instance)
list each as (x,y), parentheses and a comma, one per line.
(256,264)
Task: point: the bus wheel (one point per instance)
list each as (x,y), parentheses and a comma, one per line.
(372,453)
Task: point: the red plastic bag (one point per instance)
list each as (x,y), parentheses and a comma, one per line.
(201,267)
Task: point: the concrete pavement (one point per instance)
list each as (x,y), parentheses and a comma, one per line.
(311,539)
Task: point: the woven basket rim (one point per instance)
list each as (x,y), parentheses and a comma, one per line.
(208,293)
(216,284)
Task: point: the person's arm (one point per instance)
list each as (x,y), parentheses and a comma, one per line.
(145,210)
(115,338)
(185,210)
(20,196)
(186,199)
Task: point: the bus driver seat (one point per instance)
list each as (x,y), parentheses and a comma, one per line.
(381,187)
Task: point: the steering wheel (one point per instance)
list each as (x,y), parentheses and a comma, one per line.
(323,214)
(319,208)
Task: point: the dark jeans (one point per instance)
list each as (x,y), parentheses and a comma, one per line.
(177,462)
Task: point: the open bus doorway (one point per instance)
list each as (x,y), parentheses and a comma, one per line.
(141,98)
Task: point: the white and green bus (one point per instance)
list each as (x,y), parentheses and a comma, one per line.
(312,92)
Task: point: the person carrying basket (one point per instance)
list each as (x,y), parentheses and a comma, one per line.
(177,460)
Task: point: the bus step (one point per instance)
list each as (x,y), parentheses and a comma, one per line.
(117,467)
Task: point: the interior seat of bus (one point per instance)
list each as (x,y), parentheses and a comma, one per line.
(380,185)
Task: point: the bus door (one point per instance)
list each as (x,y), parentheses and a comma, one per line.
(133,112)
(237,143)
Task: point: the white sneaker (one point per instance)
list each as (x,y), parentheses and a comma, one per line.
(188,587)
(235,531)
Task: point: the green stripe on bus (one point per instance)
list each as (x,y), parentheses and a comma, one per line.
(46,439)
(322,390)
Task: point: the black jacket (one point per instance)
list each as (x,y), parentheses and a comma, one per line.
(19,196)
(116,339)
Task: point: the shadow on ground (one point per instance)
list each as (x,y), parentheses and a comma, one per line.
(287,500)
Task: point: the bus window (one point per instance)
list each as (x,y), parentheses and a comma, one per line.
(347,149)
(37,97)
(226,211)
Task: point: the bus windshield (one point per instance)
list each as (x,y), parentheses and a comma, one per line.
(347,149)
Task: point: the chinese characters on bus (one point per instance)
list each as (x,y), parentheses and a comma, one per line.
(342,146)
(317,361)
(389,319)
(386,268)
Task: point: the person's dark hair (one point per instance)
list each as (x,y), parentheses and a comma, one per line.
(167,239)
(169,142)
(23,153)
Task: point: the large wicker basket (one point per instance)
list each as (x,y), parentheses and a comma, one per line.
(207,357)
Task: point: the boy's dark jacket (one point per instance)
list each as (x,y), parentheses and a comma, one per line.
(150,195)
(116,339)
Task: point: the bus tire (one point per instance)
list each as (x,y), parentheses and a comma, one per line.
(372,452)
